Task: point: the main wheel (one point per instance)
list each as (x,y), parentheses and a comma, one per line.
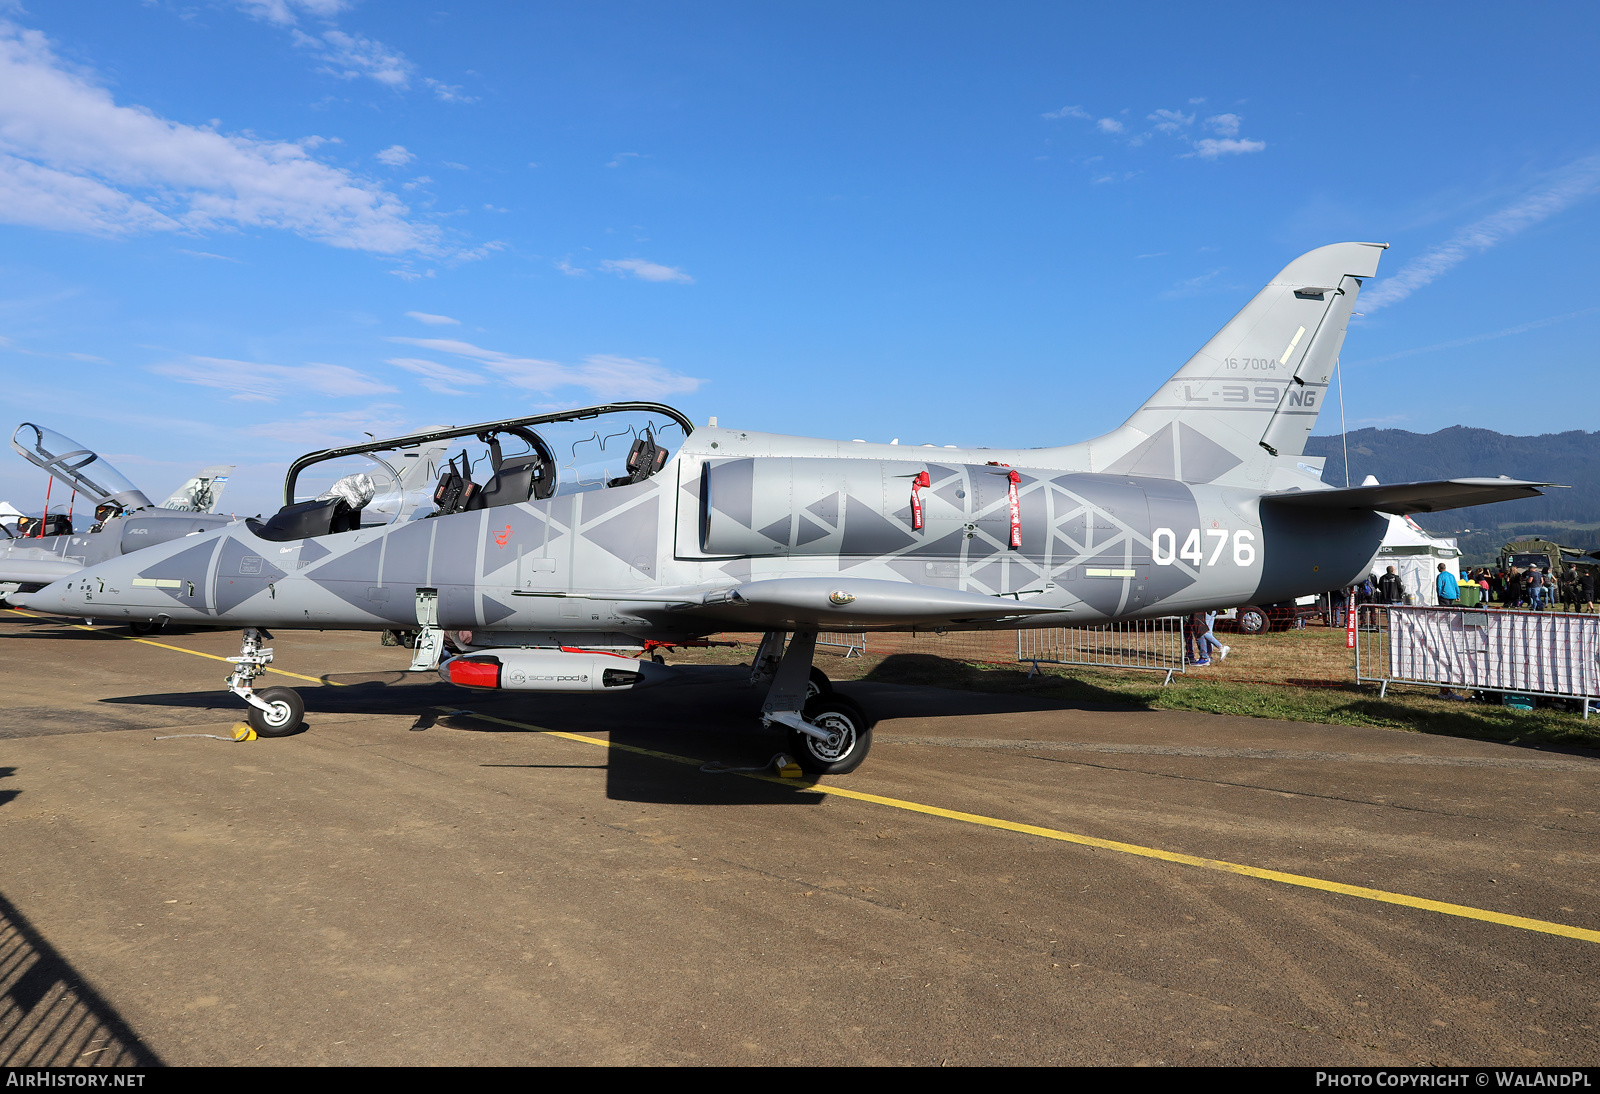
(818,685)
(1252,620)
(849,737)
(285,711)
(153,627)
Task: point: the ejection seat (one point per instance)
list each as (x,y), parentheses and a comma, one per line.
(645,458)
(515,481)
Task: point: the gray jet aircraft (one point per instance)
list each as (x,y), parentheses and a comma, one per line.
(544,575)
(125,520)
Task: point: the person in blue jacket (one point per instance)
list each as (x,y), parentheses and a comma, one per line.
(1449,591)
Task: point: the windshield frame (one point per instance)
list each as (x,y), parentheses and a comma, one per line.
(508,425)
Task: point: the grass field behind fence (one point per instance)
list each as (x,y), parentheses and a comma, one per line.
(1296,675)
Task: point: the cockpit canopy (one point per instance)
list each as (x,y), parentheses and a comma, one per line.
(458,469)
(77,467)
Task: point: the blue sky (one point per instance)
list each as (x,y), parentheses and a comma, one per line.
(238,230)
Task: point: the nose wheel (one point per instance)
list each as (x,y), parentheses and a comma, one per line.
(282,714)
(273,712)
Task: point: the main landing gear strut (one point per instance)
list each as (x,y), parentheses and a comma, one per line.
(828,734)
(274,712)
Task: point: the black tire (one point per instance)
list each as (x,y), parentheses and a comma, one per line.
(1252,620)
(658,659)
(835,714)
(154,626)
(819,685)
(287,713)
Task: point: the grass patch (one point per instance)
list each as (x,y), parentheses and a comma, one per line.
(1410,710)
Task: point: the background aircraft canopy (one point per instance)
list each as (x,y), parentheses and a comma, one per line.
(78,467)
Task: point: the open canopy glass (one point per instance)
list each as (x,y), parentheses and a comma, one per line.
(78,467)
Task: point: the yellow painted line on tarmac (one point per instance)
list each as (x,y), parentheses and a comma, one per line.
(581,739)
(1462,911)
(164,646)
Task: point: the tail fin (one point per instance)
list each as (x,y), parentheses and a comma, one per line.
(1251,396)
(202,492)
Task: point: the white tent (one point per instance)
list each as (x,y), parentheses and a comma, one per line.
(1415,556)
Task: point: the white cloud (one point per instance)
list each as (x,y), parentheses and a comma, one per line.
(623,157)
(252,381)
(1573,183)
(395,156)
(1193,285)
(320,429)
(1171,121)
(443,379)
(433,320)
(282,12)
(1109,125)
(352,56)
(1069,112)
(645,271)
(71,159)
(1226,125)
(1209,148)
(448,93)
(1457,343)
(605,375)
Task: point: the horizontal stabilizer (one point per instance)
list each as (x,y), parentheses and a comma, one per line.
(1413,497)
(835,603)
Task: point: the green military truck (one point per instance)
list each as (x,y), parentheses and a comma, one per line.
(1549,556)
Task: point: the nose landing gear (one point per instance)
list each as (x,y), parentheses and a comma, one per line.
(274,712)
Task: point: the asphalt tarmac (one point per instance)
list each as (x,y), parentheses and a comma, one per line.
(429,875)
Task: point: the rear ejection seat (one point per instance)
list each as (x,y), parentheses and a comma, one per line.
(514,482)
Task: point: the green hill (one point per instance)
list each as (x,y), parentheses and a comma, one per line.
(1570,516)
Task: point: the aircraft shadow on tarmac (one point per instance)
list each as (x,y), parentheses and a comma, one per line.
(711,718)
(51,1017)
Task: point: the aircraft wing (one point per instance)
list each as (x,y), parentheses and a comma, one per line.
(36,570)
(1401,498)
(831,603)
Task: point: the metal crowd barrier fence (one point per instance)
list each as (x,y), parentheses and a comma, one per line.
(1152,644)
(855,645)
(1511,652)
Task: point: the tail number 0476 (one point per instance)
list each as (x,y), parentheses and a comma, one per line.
(1165,551)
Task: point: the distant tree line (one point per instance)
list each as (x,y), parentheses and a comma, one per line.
(1395,455)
